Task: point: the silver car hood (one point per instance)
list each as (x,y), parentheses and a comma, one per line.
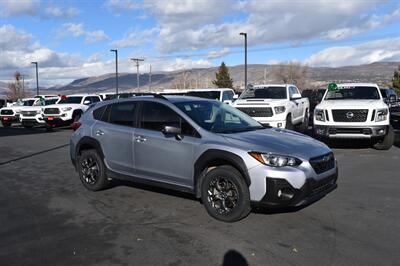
(278,141)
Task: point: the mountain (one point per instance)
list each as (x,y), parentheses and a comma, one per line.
(381,73)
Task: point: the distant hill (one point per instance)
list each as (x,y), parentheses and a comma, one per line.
(380,73)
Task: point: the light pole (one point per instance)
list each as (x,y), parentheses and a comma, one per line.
(37,77)
(116,69)
(245,58)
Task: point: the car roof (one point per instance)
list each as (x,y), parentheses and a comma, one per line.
(357,84)
(210,89)
(161,98)
(272,85)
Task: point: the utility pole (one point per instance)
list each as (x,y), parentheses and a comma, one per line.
(137,60)
(37,77)
(150,79)
(245,58)
(265,75)
(116,69)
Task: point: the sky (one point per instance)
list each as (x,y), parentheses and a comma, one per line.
(72,39)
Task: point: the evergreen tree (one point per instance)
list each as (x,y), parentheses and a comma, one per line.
(396,80)
(222,77)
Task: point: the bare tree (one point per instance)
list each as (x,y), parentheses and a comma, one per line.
(294,73)
(182,82)
(15,91)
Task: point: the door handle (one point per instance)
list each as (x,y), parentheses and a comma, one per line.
(140,139)
(99,133)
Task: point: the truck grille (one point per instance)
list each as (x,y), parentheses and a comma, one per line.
(323,163)
(51,111)
(7,112)
(28,113)
(350,115)
(257,111)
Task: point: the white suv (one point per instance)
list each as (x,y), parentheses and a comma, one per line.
(68,110)
(354,110)
(32,115)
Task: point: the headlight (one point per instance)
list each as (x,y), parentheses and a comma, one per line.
(381,115)
(66,109)
(275,160)
(319,115)
(279,109)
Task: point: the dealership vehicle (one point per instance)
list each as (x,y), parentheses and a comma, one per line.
(276,105)
(389,97)
(68,109)
(220,94)
(10,115)
(314,97)
(354,110)
(204,147)
(31,116)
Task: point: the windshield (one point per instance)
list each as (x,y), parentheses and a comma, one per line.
(264,93)
(218,117)
(353,93)
(72,99)
(213,95)
(28,103)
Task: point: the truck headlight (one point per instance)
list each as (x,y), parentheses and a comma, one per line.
(66,109)
(319,115)
(18,111)
(381,114)
(275,160)
(279,109)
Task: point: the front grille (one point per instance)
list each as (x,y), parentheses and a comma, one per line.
(350,115)
(51,111)
(28,113)
(257,111)
(323,163)
(7,112)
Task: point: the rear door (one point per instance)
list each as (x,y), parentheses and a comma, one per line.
(114,130)
(159,156)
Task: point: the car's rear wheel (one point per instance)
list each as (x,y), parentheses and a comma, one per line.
(92,170)
(225,194)
(387,142)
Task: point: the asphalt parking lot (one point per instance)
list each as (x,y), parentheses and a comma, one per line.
(48,218)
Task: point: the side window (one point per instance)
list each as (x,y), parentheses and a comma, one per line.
(227,95)
(98,113)
(86,99)
(95,99)
(156,115)
(123,113)
(292,90)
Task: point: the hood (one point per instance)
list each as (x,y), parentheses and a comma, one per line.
(279,141)
(33,108)
(351,104)
(73,105)
(272,102)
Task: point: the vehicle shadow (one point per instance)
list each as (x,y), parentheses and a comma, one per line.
(19,130)
(234,258)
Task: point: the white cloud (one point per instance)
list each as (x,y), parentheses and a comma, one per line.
(135,38)
(78,30)
(18,8)
(13,39)
(120,6)
(55,11)
(218,54)
(365,53)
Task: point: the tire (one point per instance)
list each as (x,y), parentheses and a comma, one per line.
(227,180)
(92,171)
(306,121)
(76,116)
(289,124)
(387,142)
(49,128)
(6,124)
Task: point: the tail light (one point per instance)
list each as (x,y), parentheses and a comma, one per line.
(75,125)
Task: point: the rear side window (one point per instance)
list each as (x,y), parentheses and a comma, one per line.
(227,96)
(98,113)
(123,113)
(156,115)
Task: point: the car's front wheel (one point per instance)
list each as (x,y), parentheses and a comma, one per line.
(6,124)
(387,142)
(225,194)
(92,170)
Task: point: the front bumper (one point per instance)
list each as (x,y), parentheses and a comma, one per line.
(356,132)
(9,119)
(57,121)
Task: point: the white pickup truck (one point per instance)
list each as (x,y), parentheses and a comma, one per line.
(68,109)
(32,115)
(276,105)
(11,114)
(354,110)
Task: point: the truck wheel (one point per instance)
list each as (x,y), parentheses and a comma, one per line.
(6,124)
(306,121)
(387,142)
(289,124)
(225,194)
(92,171)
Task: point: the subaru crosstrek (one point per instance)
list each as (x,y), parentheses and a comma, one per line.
(205,147)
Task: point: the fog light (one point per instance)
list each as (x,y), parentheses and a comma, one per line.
(367,131)
(279,124)
(279,193)
(320,131)
(381,131)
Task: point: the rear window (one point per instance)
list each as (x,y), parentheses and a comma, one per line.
(214,95)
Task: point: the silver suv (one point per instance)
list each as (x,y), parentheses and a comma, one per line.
(204,147)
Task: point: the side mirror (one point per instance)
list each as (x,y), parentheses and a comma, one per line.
(228,102)
(86,102)
(295,96)
(235,97)
(172,130)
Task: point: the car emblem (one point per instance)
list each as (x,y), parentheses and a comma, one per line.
(349,115)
